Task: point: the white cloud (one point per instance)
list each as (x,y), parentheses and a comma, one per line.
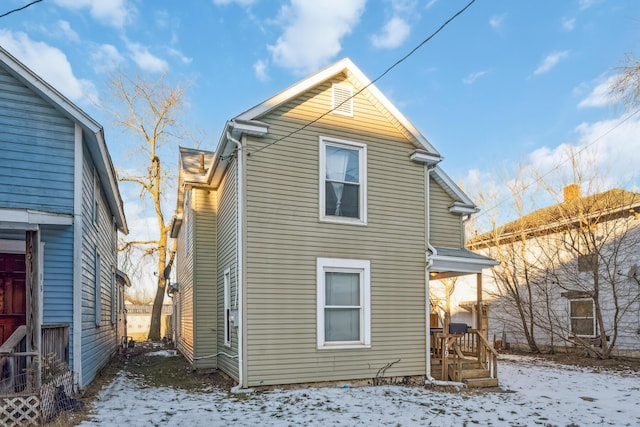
(116,13)
(568,24)
(600,96)
(145,59)
(497,21)
(50,63)
(67,32)
(106,58)
(471,78)
(182,57)
(313,32)
(586,4)
(260,68)
(430,3)
(394,33)
(551,61)
(238,2)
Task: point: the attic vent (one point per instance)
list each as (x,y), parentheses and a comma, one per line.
(342,101)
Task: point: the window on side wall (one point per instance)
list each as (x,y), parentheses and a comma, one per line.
(227,307)
(95,209)
(343,184)
(97,304)
(343,303)
(583,322)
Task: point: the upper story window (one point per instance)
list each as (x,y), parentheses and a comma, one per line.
(342,99)
(343,186)
(95,208)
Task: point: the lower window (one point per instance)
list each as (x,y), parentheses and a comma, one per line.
(582,317)
(344,312)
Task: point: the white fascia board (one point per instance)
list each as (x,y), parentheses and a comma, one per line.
(452,188)
(30,217)
(342,65)
(249,127)
(464,265)
(463,209)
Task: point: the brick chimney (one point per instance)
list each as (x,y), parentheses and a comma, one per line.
(571,192)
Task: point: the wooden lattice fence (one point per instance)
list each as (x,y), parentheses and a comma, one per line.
(34,407)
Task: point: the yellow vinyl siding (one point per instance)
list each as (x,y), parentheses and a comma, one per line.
(205,261)
(227,258)
(446,227)
(285,237)
(184,268)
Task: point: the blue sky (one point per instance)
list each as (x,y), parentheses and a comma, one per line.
(509,81)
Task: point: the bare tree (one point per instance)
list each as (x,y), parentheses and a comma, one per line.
(626,86)
(148,111)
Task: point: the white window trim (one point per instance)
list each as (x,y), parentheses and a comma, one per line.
(227,306)
(349,266)
(96,199)
(593,311)
(362,220)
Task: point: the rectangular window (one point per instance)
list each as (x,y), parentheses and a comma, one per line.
(343,299)
(582,317)
(114,295)
(227,307)
(96,199)
(97,303)
(343,186)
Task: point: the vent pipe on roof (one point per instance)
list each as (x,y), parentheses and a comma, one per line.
(201,163)
(571,192)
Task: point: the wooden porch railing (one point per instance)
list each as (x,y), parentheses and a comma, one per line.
(471,344)
(19,368)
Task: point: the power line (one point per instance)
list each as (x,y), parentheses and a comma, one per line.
(20,8)
(398,62)
(539,178)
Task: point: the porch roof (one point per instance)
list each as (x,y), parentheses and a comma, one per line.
(450,262)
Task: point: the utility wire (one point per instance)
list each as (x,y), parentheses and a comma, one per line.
(398,62)
(539,178)
(20,8)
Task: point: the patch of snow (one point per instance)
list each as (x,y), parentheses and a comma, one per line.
(164,353)
(533,392)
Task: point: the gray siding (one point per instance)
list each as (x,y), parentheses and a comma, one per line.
(227,258)
(206,269)
(30,130)
(98,341)
(446,227)
(184,266)
(285,238)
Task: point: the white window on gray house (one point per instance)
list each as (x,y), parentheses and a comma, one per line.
(97,303)
(343,184)
(342,99)
(583,322)
(188,223)
(343,303)
(114,295)
(95,209)
(227,307)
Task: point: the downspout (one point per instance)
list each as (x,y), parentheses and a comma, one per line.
(429,379)
(239,257)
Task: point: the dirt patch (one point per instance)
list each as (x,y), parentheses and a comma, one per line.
(168,369)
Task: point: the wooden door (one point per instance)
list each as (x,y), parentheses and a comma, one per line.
(13,295)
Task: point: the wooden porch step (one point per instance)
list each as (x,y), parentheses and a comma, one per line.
(481,382)
(475,373)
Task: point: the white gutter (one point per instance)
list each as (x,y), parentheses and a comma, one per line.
(239,255)
(427,300)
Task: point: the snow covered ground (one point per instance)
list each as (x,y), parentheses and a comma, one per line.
(534,392)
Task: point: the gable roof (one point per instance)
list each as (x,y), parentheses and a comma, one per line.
(591,209)
(92,131)
(343,66)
